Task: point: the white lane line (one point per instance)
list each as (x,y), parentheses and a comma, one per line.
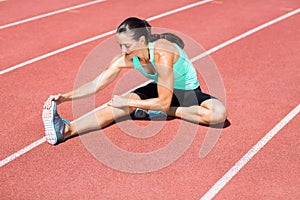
(50,14)
(93,39)
(249,155)
(179,10)
(254,30)
(23,64)
(193,59)
(22,151)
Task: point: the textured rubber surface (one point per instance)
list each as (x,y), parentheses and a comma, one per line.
(50,133)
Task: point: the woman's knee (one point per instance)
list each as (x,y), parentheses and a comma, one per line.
(216,112)
(214,116)
(219,115)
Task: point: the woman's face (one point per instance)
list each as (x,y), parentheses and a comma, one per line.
(129,46)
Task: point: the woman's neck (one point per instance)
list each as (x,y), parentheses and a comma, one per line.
(144,55)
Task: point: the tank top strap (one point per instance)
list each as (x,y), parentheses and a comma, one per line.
(151,53)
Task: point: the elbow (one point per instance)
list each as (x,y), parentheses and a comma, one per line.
(165,105)
(159,104)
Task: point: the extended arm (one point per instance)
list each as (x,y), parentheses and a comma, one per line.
(92,87)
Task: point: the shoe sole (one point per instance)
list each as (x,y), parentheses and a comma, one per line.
(48,124)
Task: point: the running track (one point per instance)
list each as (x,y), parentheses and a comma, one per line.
(260,73)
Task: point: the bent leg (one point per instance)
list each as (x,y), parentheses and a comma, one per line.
(211,111)
(98,119)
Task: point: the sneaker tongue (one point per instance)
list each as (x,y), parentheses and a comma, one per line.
(58,123)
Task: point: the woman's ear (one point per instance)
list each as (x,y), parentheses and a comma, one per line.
(142,40)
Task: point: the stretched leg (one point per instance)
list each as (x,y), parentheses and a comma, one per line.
(98,119)
(211,111)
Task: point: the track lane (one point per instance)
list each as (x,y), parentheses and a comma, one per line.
(19,90)
(230,18)
(22,96)
(125,185)
(14,10)
(37,89)
(267,71)
(92,25)
(55,12)
(39,37)
(272,173)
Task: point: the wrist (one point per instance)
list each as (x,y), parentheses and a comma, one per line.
(65,97)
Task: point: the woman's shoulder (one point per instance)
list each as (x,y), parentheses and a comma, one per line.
(163,47)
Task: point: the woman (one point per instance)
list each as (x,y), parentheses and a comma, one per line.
(174,92)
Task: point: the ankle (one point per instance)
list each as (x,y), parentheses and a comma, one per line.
(67,131)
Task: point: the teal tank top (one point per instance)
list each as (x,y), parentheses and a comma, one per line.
(185,76)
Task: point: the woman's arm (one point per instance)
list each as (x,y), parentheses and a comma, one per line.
(100,82)
(164,59)
(92,87)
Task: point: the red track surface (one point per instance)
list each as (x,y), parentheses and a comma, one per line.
(261,78)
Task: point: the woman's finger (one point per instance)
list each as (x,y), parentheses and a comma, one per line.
(48,102)
(57,97)
(46,105)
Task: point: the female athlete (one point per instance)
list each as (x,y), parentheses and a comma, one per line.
(175,90)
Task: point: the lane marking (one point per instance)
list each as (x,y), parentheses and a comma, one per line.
(94,38)
(249,155)
(50,14)
(254,30)
(179,9)
(193,59)
(22,151)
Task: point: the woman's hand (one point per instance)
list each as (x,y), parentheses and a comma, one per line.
(59,98)
(119,101)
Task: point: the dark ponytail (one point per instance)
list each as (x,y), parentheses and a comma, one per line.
(168,36)
(140,28)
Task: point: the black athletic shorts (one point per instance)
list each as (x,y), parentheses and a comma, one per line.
(181,98)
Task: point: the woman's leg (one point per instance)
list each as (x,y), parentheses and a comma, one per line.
(211,111)
(98,119)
